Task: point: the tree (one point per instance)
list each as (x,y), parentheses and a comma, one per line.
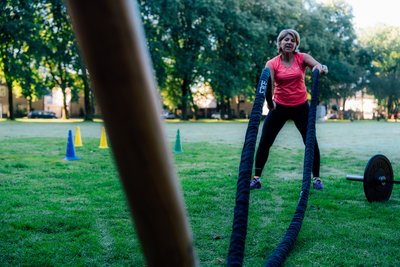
(29,79)
(245,39)
(59,48)
(181,36)
(16,27)
(382,46)
(83,73)
(228,48)
(228,66)
(200,41)
(329,36)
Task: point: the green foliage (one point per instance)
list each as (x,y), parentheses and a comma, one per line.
(60,52)
(222,43)
(236,57)
(382,45)
(229,46)
(330,38)
(38,49)
(17,29)
(180,34)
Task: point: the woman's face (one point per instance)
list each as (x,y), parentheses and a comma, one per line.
(288,44)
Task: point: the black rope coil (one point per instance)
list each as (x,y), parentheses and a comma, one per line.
(287,243)
(239,228)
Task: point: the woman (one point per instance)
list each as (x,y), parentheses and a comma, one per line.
(289,102)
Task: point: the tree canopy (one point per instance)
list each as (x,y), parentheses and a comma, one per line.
(381,46)
(226,44)
(38,51)
(221,44)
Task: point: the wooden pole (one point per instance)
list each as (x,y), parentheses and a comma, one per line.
(112,42)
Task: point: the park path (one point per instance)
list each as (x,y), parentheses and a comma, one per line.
(49,129)
(361,138)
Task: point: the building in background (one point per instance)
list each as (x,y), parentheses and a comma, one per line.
(361,106)
(51,102)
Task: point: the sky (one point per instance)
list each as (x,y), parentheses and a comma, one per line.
(369,13)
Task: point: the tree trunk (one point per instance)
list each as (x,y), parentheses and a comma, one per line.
(228,108)
(238,106)
(338,107)
(224,107)
(344,103)
(10,99)
(87,92)
(194,107)
(184,98)
(362,104)
(29,100)
(344,107)
(395,108)
(390,107)
(65,114)
(9,83)
(89,109)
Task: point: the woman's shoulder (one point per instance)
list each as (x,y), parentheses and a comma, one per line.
(301,59)
(275,58)
(273,61)
(300,55)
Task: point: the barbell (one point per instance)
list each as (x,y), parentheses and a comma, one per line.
(377,180)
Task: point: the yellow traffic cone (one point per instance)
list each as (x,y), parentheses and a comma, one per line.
(103,139)
(78,139)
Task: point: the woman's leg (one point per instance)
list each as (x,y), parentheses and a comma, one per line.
(273,123)
(300,118)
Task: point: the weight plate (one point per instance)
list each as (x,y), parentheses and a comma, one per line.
(378,179)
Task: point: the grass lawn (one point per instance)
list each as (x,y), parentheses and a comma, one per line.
(73,213)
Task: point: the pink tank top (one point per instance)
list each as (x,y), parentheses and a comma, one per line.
(290,89)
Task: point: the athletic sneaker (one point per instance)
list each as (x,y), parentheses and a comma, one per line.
(317,183)
(255,184)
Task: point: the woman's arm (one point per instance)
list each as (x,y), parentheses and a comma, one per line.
(310,62)
(270,88)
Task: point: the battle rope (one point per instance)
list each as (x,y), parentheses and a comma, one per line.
(239,228)
(282,250)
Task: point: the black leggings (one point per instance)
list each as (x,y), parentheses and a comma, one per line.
(273,123)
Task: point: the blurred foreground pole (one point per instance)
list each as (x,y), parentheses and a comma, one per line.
(112,42)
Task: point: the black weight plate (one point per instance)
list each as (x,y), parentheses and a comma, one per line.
(374,189)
